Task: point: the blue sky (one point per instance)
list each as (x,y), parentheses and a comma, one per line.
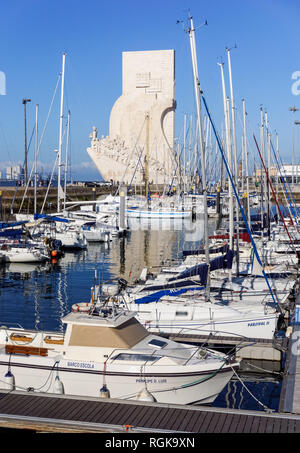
(35,33)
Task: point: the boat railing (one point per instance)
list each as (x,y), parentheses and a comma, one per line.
(199,351)
(11,325)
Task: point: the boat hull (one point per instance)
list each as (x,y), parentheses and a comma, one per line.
(259,326)
(97,236)
(83,378)
(152,214)
(24,257)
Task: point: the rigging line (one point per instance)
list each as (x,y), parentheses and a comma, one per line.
(291,209)
(177,160)
(267,409)
(274,195)
(42,136)
(293,212)
(249,144)
(241,208)
(50,180)
(140,133)
(136,167)
(288,207)
(28,147)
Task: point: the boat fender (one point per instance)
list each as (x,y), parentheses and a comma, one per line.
(104,392)
(58,386)
(9,380)
(145,395)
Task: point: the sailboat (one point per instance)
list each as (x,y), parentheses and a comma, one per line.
(169,304)
(160,307)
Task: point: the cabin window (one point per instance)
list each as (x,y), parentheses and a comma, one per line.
(135,357)
(157,343)
(181,313)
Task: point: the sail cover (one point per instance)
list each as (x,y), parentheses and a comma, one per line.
(201,270)
(156,296)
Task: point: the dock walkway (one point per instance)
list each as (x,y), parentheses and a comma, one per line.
(290,394)
(46,413)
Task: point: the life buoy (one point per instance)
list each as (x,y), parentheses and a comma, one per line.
(82,307)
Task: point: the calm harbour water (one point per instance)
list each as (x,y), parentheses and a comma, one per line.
(38,296)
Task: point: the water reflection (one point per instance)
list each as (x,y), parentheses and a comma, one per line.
(256,393)
(38,296)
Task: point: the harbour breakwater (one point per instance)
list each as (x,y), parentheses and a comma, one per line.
(12,199)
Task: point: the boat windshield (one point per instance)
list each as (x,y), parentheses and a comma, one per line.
(135,357)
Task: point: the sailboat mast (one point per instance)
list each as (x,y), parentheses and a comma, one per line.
(262,147)
(235,167)
(228,151)
(66,163)
(147,157)
(246,161)
(278,173)
(59,189)
(184,153)
(235,163)
(35,156)
(190,154)
(268,168)
(197,87)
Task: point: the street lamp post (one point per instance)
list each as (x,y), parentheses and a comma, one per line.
(24,102)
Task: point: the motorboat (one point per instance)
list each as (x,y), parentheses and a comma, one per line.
(22,253)
(95,233)
(105,351)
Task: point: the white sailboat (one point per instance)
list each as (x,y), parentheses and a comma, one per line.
(251,316)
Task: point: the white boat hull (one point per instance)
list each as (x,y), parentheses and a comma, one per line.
(83,378)
(13,256)
(184,318)
(159,214)
(258,327)
(97,236)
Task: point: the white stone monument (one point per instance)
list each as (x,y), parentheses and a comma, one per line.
(141,128)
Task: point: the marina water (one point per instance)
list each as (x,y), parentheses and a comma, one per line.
(37,296)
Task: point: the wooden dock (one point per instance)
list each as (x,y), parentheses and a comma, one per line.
(290,394)
(56,413)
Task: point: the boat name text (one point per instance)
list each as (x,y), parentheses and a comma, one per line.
(81,365)
(152,381)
